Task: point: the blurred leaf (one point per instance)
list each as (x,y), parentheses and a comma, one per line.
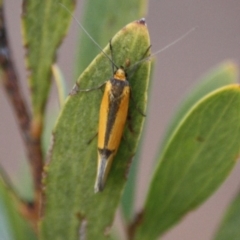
(198,158)
(23,181)
(70,199)
(229,228)
(44,25)
(127,201)
(224,74)
(60,83)
(114,15)
(12,225)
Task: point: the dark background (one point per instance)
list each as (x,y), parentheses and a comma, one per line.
(177,69)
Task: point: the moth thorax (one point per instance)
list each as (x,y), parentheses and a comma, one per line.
(120,74)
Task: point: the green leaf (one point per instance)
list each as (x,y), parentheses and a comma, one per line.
(12,225)
(114,15)
(70,199)
(198,158)
(224,74)
(44,25)
(109,22)
(229,228)
(127,201)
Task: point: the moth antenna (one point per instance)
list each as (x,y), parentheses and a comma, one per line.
(90,37)
(176,41)
(166,47)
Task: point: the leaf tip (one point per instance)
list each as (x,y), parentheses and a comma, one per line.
(142,21)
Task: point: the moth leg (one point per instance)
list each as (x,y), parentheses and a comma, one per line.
(91,89)
(92,138)
(76,89)
(136,106)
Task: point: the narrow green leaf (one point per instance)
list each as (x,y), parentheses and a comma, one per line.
(198,158)
(44,25)
(70,199)
(114,15)
(12,225)
(127,201)
(224,74)
(109,21)
(229,228)
(128,197)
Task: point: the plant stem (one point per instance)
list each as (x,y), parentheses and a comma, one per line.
(31,141)
(131,230)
